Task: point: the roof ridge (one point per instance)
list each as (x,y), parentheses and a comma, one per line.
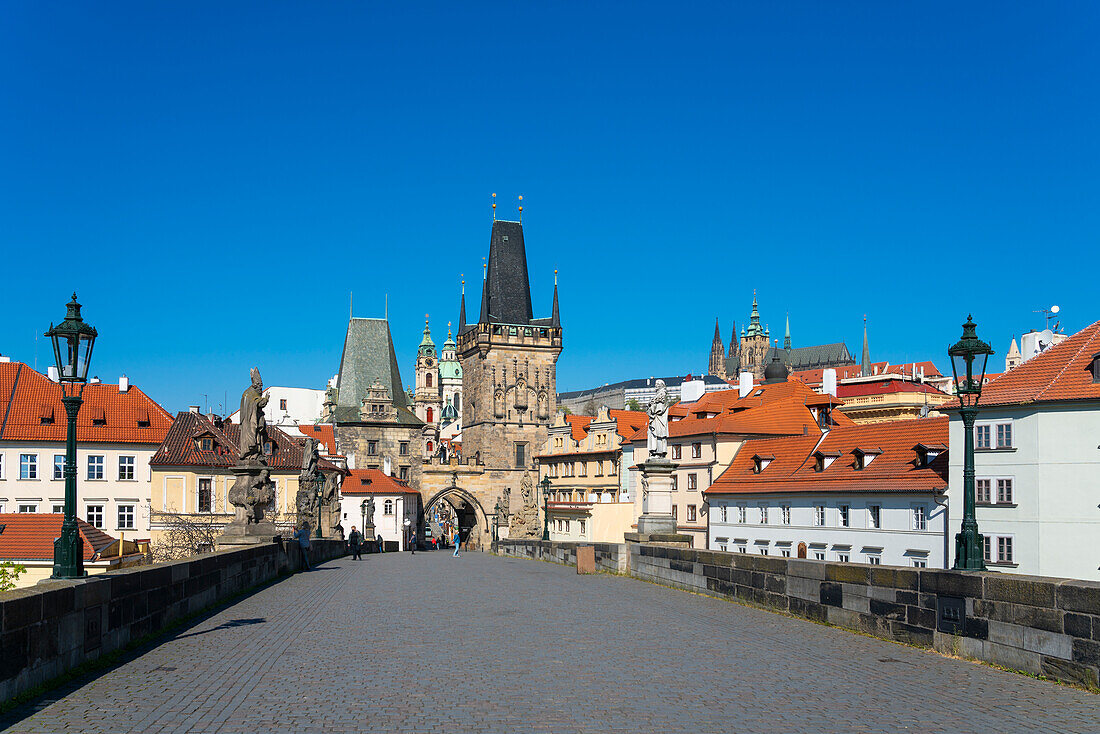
(1069,361)
(11,398)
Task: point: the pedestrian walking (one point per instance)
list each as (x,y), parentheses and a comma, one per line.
(355,540)
(412,540)
(458,543)
(381,548)
(302,536)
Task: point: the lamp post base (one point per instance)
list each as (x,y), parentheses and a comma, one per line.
(969,549)
(68,553)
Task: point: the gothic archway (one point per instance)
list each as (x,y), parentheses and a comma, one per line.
(473,522)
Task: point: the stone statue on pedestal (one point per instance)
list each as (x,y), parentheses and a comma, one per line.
(657,410)
(253,425)
(253,492)
(525,523)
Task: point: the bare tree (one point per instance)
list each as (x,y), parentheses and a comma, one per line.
(185,535)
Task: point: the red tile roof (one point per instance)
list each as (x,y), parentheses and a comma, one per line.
(29,536)
(579,424)
(377,483)
(886,387)
(815,377)
(1059,373)
(181,447)
(895,469)
(324,434)
(627,422)
(28,397)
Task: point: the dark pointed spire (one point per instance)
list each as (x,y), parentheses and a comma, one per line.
(865,364)
(506,292)
(484,317)
(787,336)
(462,309)
(555,319)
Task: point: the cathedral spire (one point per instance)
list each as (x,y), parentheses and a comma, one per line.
(865,364)
(484,318)
(717,364)
(555,319)
(787,336)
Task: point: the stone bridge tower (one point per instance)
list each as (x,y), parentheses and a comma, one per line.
(509,381)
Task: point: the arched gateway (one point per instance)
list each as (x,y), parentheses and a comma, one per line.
(473,522)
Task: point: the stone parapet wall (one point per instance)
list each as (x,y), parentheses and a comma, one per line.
(1043,626)
(49,629)
(611,557)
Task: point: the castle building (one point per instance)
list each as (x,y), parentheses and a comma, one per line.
(508,365)
(754,351)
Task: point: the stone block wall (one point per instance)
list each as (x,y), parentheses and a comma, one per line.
(1039,625)
(611,557)
(49,629)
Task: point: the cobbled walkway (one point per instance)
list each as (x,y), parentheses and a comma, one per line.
(431,643)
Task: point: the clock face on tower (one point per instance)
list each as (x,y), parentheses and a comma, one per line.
(429,361)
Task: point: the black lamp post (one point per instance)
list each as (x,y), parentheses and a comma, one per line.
(968,358)
(72,348)
(319,478)
(545,507)
(363,516)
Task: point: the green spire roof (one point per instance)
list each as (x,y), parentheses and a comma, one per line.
(427,346)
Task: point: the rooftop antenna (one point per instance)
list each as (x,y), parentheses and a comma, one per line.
(494,207)
(463,276)
(387,311)
(521,207)
(1049,313)
(351,305)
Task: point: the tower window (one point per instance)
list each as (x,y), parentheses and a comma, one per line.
(430,414)
(428,381)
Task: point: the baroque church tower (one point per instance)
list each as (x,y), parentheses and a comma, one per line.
(428,403)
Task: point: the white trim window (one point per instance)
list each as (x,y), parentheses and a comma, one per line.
(1003,546)
(27,508)
(126,466)
(387,507)
(875,559)
(786,512)
(982,490)
(725,515)
(1004,435)
(819,521)
(845,512)
(2,466)
(994,490)
(95,467)
(59,509)
(842,556)
(1004,490)
(763,513)
(983,436)
(920,517)
(204,491)
(126,517)
(58,467)
(93,515)
(28,466)
(874,517)
(741,511)
(693,482)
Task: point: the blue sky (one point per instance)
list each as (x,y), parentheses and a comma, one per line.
(215,178)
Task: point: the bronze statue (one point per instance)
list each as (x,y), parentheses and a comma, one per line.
(253,426)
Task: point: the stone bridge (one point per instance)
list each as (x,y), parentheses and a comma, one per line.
(482,643)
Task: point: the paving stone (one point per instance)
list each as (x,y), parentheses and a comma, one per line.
(481,644)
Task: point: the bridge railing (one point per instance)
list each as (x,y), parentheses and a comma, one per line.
(49,629)
(1039,625)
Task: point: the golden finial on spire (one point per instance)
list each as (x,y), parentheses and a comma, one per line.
(463,276)
(555,276)
(494,207)
(521,207)
(484,269)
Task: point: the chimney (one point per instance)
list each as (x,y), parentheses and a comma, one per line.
(4,359)
(193,409)
(744,384)
(51,372)
(828,381)
(123,383)
(95,380)
(386,466)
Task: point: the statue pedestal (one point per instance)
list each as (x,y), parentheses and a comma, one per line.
(656,515)
(249,499)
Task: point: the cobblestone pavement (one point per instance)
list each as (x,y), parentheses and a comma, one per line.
(431,643)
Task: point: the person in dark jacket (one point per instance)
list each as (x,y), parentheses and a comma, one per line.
(302,536)
(381,547)
(355,541)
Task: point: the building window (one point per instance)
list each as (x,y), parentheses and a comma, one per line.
(94,516)
(674,512)
(786,512)
(126,468)
(428,382)
(845,516)
(741,514)
(28,466)
(1004,435)
(95,467)
(206,444)
(599,468)
(874,559)
(676,451)
(580,526)
(372,448)
(2,467)
(125,517)
(874,516)
(429,416)
(819,555)
(28,508)
(981,491)
(842,556)
(58,466)
(785,552)
(206,495)
(1004,549)
(691,513)
(693,482)
(403,474)
(763,514)
(920,518)
(982,437)
(1004,491)
(819,516)
(696,450)
(722,543)
(521,454)
(430,447)
(403,448)
(583,466)
(282,403)
(268,448)
(725,514)
(675,483)
(57,509)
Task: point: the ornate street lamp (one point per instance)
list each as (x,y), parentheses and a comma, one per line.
(72,348)
(968,358)
(363,514)
(319,479)
(545,507)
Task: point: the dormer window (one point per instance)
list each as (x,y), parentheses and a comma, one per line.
(143,419)
(823,459)
(1094,367)
(99,417)
(760,463)
(206,443)
(927,453)
(268,448)
(45,414)
(864,457)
